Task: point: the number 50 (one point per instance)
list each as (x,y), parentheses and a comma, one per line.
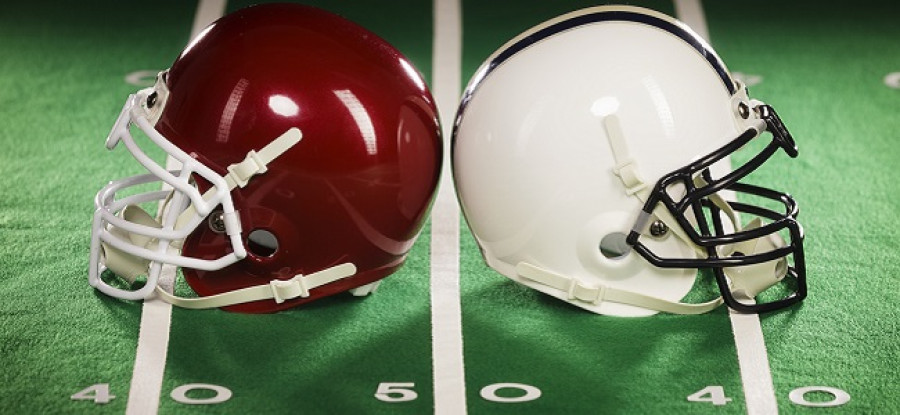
(403,392)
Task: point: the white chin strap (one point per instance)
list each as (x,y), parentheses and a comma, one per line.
(130,265)
(597,294)
(279,290)
(745,280)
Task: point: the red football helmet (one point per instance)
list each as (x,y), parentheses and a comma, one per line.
(309,153)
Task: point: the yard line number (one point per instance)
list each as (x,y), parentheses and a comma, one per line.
(100,394)
(404,392)
(832,396)
(398,392)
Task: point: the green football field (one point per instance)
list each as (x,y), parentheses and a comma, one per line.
(446,334)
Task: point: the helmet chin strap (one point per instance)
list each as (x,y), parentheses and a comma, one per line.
(239,174)
(596,294)
(129,266)
(749,280)
(279,290)
(628,171)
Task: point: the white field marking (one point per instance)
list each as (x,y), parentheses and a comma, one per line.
(208,11)
(156,315)
(143,78)
(748,79)
(446,315)
(150,358)
(753,358)
(691,13)
(892,80)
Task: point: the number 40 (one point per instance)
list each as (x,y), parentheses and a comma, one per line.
(99,394)
(716,396)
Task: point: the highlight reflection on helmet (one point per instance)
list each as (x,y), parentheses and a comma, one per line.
(309,153)
(591,156)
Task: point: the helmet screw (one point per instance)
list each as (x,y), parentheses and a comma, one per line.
(744,110)
(151,100)
(658,228)
(217,221)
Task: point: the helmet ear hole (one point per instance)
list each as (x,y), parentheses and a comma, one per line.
(262,243)
(613,246)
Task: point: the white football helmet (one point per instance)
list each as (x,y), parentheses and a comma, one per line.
(591,159)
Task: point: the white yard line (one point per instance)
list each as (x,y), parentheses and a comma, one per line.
(150,358)
(156,315)
(446,315)
(753,358)
(208,11)
(691,13)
